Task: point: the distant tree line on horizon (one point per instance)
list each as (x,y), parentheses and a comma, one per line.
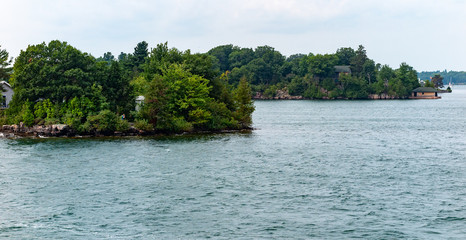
(455,77)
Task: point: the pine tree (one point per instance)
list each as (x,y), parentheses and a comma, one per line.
(245,104)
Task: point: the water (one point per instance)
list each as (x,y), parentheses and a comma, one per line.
(311,170)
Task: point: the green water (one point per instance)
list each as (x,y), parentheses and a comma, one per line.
(310,170)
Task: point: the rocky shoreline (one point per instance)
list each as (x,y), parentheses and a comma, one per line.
(57,130)
(63,130)
(284,95)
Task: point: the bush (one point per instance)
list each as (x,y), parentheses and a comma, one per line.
(104,122)
(51,121)
(3,120)
(26,115)
(122,125)
(143,125)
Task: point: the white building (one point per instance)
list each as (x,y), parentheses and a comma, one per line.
(7,94)
(139,102)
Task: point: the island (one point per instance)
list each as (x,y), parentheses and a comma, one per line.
(56,89)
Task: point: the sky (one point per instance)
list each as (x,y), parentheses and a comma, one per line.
(427,34)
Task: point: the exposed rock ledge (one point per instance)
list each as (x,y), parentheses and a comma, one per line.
(383,96)
(57,130)
(280,95)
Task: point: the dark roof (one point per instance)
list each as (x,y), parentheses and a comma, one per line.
(342,69)
(425,89)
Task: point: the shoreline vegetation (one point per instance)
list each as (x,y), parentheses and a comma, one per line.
(56,84)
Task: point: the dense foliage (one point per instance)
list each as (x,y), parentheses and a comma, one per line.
(57,83)
(314,76)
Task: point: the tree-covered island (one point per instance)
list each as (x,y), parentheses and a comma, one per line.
(180,91)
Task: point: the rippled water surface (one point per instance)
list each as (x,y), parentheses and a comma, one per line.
(312,169)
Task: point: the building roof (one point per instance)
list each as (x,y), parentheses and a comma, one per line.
(5,83)
(5,86)
(342,69)
(425,89)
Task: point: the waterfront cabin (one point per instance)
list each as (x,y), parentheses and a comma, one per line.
(346,70)
(425,93)
(7,94)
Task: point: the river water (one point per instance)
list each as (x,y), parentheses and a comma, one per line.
(387,169)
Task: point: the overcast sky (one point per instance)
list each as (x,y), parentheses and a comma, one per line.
(426,34)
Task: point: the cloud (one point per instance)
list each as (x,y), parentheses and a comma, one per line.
(392,30)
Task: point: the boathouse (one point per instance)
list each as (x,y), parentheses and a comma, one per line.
(425,93)
(7,94)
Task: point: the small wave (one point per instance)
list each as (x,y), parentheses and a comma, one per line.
(450,219)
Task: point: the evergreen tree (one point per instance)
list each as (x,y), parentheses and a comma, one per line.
(245,104)
(5,61)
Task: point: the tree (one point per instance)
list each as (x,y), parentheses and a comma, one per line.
(139,56)
(177,100)
(56,71)
(222,53)
(241,57)
(358,60)
(245,105)
(107,57)
(5,61)
(369,71)
(322,66)
(160,58)
(201,64)
(408,80)
(437,80)
(384,75)
(116,88)
(345,55)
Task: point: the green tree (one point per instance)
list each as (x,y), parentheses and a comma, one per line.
(408,80)
(245,105)
(27,115)
(141,52)
(201,64)
(5,62)
(437,80)
(369,71)
(222,53)
(160,58)
(358,60)
(55,71)
(107,57)
(345,55)
(240,57)
(322,66)
(177,100)
(384,75)
(428,83)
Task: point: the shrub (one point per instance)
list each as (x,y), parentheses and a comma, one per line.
(143,125)
(26,115)
(104,122)
(122,125)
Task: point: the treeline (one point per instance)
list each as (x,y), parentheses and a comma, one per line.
(57,83)
(455,77)
(314,76)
